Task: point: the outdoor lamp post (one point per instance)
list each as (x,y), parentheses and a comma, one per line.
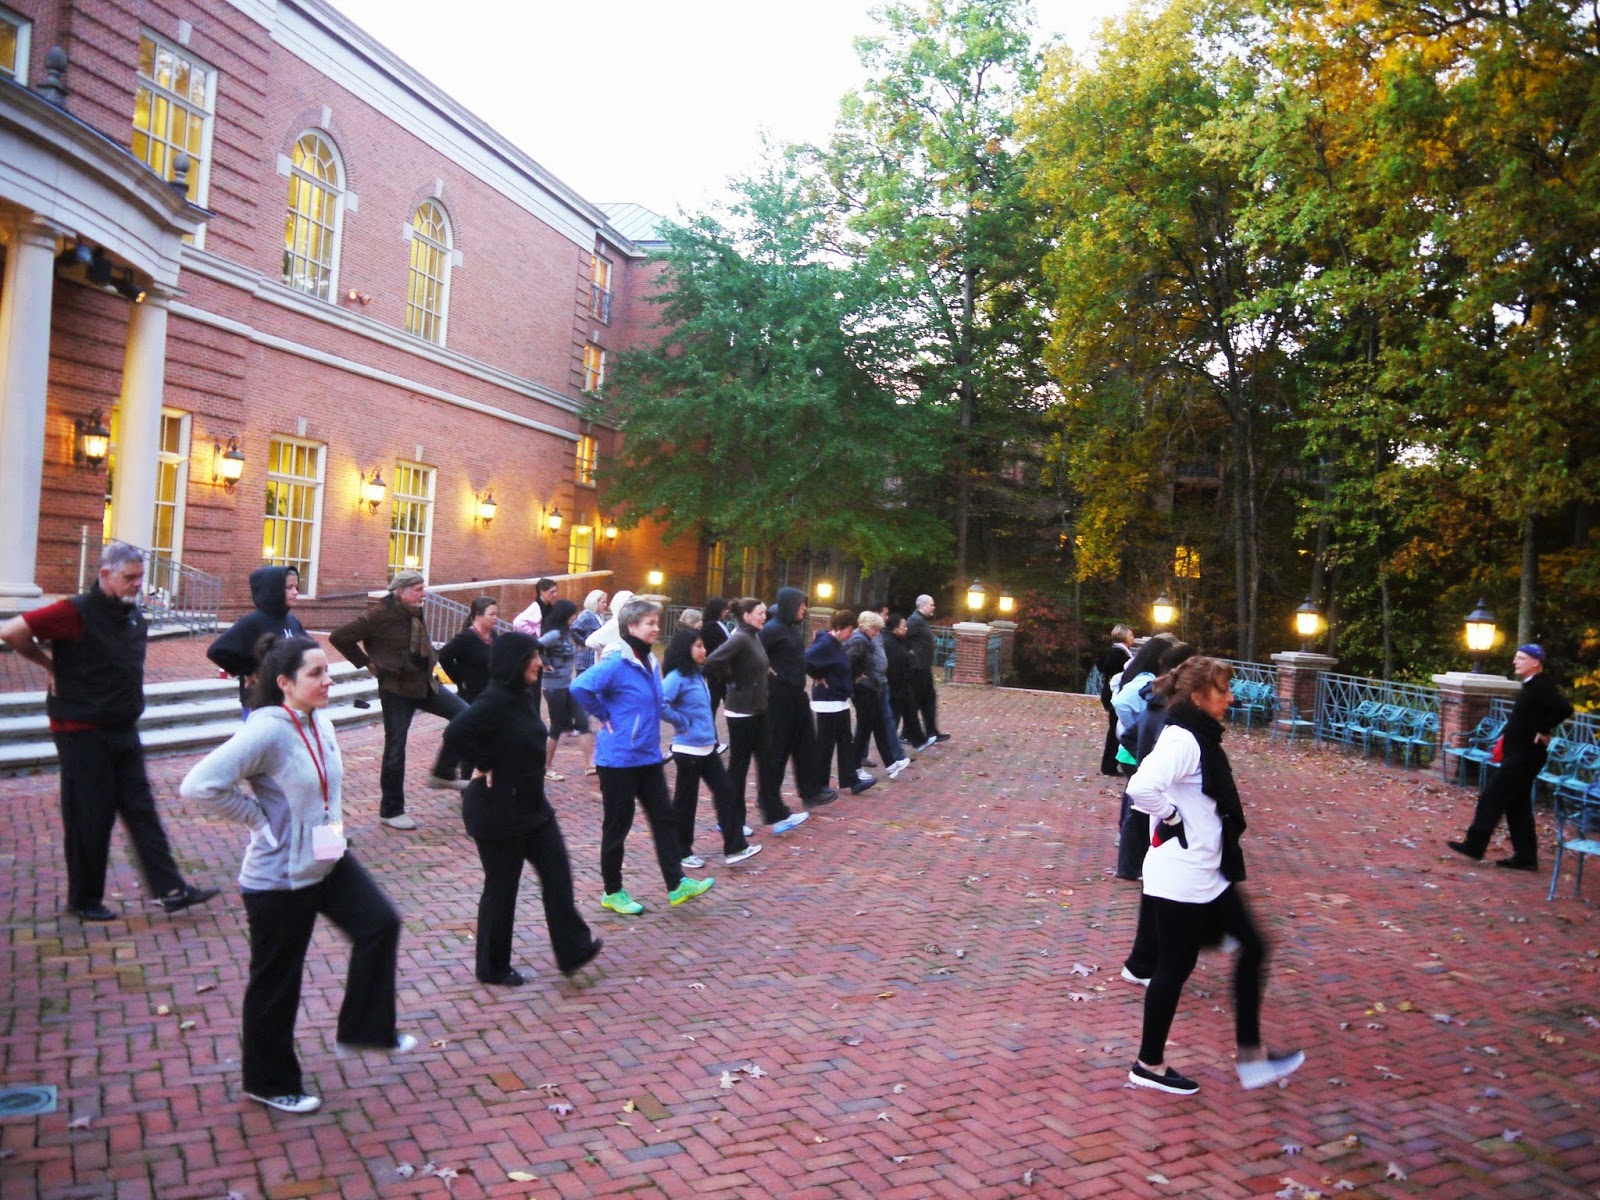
(1163,612)
(975,596)
(1308,624)
(1480,634)
(1006,604)
(824,590)
(655,577)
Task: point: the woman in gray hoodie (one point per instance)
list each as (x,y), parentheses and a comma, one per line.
(297,865)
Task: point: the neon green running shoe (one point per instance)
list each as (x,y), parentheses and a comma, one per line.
(689,888)
(620,902)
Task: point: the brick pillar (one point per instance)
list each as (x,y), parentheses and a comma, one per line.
(1298,675)
(1008,648)
(972,651)
(1464,701)
(817,618)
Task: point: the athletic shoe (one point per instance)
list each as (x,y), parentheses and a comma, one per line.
(555,777)
(747,830)
(691,862)
(941,737)
(826,796)
(933,741)
(792,821)
(588,957)
(896,767)
(1270,1069)
(187,897)
(1517,864)
(722,747)
(621,902)
(1142,981)
(750,851)
(510,977)
(443,783)
(289,1104)
(862,785)
(93,912)
(1170,1081)
(403,821)
(1463,849)
(688,889)
(404,1043)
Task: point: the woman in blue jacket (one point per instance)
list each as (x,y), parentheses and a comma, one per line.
(687,701)
(623,693)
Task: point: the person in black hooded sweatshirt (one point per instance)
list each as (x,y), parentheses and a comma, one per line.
(789,723)
(274,591)
(712,634)
(507,815)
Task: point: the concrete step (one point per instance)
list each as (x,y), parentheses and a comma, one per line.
(176,691)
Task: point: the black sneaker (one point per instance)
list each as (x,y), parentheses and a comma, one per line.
(1466,851)
(510,977)
(589,956)
(1169,1082)
(188,897)
(93,912)
(862,785)
(826,796)
(941,737)
(1518,864)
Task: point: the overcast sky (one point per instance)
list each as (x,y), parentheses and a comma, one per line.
(654,101)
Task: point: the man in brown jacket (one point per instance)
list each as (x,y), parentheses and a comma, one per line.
(391,640)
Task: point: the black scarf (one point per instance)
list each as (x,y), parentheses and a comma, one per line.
(639,646)
(1216,781)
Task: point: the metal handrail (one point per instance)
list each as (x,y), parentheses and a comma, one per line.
(174,592)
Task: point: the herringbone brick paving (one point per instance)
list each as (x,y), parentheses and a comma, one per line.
(925,977)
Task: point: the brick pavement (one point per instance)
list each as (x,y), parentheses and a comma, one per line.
(905,972)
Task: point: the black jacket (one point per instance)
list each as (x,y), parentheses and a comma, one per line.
(784,639)
(501,734)
(1108,664)
(100,676)
(235,650)
(741,664)
(1540,707)
(899,657)
(465,658)
(919,640)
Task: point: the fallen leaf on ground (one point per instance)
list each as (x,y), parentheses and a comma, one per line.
(185,1025)
(727,1079)
(1158,1177)
(439,1043)
(898,1088)
(205,987)
(885,995)
(753,1071)
(1079,969)
(405,1170)
(78,1123)
(1291,1148)
(560,1108)
(521,1176)
(163,1010)
(901,1158)
(699,987)
(883,1116)
(1027,1177)
(1512,1135)
(1394,1172)
(629,1106)
(851,1041)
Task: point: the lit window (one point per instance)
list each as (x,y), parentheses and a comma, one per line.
(14,31)
(594,367)
(588,455)
(716,563)
(294,508)
(600,289)
(311,234)
(580,550)
(430,273)
(172,108)
(411,520)
(172,482)
(1186,562)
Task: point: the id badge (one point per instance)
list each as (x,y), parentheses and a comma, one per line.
(327,841)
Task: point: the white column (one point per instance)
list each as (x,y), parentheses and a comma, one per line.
(133,487)
(24,373)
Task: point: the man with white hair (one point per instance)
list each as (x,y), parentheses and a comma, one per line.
(94,700)
(919,640)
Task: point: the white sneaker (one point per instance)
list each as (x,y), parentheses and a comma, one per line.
(1270,1069)
(404,1043)
(288,1104)
(747,830)
(691,862)
(750,851)
(792,821)
(403,821)
(443,783)
(1132,978)
(895,768)
(930,742)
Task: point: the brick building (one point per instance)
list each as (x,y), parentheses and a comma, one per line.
(242,230)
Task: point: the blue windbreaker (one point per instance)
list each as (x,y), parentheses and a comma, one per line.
(625,693)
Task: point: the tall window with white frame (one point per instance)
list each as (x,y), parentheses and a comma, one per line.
(411,518)
(600,289)
(588,455)
(311,232)
(594,367)
(430,273)
(15,35)
(294,507)
(172,112)
(580,550)
(172,484)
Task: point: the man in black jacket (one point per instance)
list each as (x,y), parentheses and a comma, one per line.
(274,590)
(919,636)
(789,722)
(1110,665)
(96,694)
(1509,791)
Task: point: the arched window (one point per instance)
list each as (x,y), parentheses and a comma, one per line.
(429,295)
(316,199)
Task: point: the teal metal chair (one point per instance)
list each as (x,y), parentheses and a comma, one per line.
(1577,832)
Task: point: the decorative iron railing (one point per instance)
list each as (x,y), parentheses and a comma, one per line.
(174,592)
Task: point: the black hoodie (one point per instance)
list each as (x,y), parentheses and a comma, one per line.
(235,650)
(501,735)
(784,639)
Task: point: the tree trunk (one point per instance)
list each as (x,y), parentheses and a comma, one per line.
(1388,628)
(1241,544)
(964,437)
(1530,581)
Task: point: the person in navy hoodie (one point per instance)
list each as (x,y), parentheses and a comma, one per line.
(828,663)
(274,590)
(686,699)
(623,692)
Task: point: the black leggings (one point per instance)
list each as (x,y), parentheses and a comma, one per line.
(691,769)
(620,787)
(747,740)
(1181,930)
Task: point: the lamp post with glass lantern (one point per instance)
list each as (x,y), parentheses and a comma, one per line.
(1480,630)
(1308,624)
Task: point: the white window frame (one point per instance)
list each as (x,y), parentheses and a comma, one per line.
(318,484)
(402,501)
(600,296)
(443,253)
(24,33)
(338,192)
(580,550)
(200,160)
(584,464)
(179,461)
(594,378)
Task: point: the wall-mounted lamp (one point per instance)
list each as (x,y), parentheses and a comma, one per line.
(1480,635)
(655,577)
(1007,603)
(824,590)
(552,520)
(1308,624)
(91,441)
(227,464)
(611,531)
(358,297)
(976,594)
(484,508)
(128,289)
(1163,612)
(373,490)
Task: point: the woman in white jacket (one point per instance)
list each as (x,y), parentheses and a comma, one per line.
(296,865)
(1186,786)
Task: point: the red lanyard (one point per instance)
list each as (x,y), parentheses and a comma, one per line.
(320,765)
